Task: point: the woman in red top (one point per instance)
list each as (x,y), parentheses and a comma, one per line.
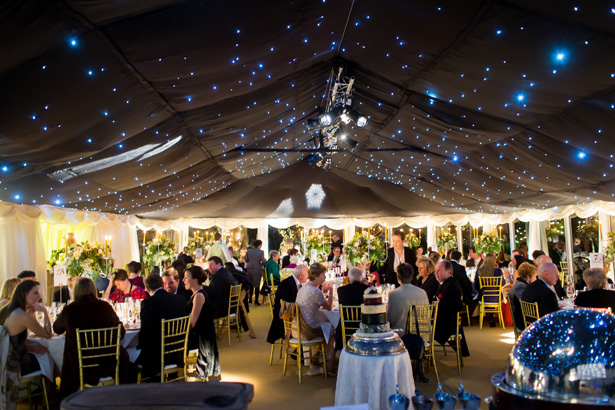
(124,289)
(134,277)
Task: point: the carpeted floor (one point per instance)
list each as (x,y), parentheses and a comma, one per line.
(247,361)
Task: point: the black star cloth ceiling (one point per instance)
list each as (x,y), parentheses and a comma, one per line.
(172,109)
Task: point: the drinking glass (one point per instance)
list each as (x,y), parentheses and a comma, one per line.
(40,317)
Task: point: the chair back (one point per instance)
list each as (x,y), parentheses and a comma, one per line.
(530,312)
(563,266)
(492,288)
(174,339)
(426,315)
(273,287)
(512,315)
(94,345)
(350,317)
(271,298)
(233,299)
(292,327)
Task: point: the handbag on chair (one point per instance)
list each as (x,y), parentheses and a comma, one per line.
(415,344)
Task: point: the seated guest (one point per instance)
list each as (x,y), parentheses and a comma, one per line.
(419,251)
(65,293)
(310,299)
(287,291)
(596,295)
(449,303)
(557,288)
(474,259)
(273,268)
(184,258)
(427,280)
(17,318)
(336,241)
(160,305)
(540,291)
(134,274)
(435,257)
(234,260)
(349,295)
(286,259)
(219,287)
(171,284)
(515,262)
(293,262)
(203,332)
(26,275)
(526,275)
(536,254)
(8,287)
(461,276)
(334,258)
(124,289)
(86,312)
(179,267)
(396,255)
(405,295)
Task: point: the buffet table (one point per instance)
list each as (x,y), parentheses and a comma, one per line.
(372,379)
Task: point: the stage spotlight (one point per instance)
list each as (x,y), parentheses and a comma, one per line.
(326,119)
(361,121)
(345,118)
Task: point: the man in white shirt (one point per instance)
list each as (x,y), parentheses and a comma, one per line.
(219,249)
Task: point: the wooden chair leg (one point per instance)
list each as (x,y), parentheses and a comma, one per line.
(480,320)
(501,317)
(324,358)
(299,349)
(45,393)
(271,357)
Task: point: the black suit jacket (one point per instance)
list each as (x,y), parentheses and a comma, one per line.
(387,273)
(430,286)
(287,291)
(538,291)
(286,260)
(449,303)
(349,295)
(61,295)
(596,298)
(219,290)
(162,305)
(461,276)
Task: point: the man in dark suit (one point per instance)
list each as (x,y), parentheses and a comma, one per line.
(461,276)
(219,288)
(349,295)
(540,291)
(287,291)
(160,305)
(396,255)
(171,284)
(334,258)
(449,303)
(596,295)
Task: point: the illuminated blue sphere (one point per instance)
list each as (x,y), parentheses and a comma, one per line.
(567,355)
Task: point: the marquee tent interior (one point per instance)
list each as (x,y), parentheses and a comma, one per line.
(170,113)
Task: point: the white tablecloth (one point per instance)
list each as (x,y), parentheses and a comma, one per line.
(372,379)
(333,318)
(55,348)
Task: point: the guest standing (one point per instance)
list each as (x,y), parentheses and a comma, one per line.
(219,249)
(203,332)
(219,288)
(17,320)
(396,255)
(86,312)
(254,260)
(160,305)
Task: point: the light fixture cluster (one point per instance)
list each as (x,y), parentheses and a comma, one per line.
(338,112)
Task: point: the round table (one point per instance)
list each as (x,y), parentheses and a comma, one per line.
(372,379)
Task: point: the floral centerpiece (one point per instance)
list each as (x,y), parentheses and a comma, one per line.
(364,244)
(447,240)
(84,259)
(316,240)
(157,251)
(609,248)
(413,241)
(488,243)
(196,242)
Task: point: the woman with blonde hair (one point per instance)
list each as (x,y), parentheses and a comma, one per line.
(427,280)
(8,287)
(435,257)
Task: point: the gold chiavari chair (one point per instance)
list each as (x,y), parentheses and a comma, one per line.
(294,339)
(272,286)
(456,338)
(279,342)
(426,317)
(96,345)
(491,287)
(174,339)
(232,317)
(530,312)
(350,317)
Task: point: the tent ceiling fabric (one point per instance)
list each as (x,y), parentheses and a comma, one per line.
(475,106)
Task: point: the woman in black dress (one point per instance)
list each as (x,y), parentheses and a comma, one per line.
(203,332)
(427,280)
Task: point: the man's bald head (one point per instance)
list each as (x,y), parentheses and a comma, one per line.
(543,259)
(549,273)
(301,273)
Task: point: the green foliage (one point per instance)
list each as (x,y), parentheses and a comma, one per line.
(358,246)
